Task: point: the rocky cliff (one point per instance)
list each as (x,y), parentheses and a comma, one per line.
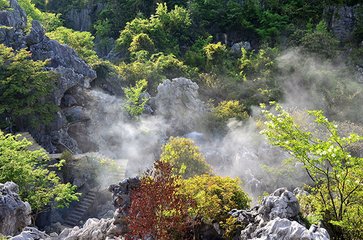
(73,73)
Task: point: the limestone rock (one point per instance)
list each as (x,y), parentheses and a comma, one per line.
(30,233)
(277,218)
(284,229)
(342,21)
(237,47)
(12,25)
(178,101)
(93,229)
(14,213)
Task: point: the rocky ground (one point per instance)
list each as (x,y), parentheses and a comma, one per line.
(276,218)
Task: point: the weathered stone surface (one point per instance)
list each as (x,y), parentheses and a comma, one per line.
(277,218)
(178,101)
(93,229)
(237,47)
(76,114)
(342,21)
(280,229)
(14,213)
(30,233)
(12,24)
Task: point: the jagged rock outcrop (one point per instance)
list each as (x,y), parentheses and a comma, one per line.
(178,101)
(277,219)
(30,233)
(14,213)
(12,25)
(81,19)
(342,21)
(72,72)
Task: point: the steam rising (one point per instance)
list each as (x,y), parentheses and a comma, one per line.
(242,152)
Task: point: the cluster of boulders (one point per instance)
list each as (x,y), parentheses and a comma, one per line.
(277,218)
(14,213)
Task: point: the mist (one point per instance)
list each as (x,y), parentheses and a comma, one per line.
(307,83)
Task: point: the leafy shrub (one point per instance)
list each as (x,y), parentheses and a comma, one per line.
(140,42)
(31,171)
(50,21)
(184,157)
(157,209)
(257,65)
(215,53)
(154,69)
(4,4)
(320,42)
(135,103)
(24,87)
(230,109)
(336,174)
(167,29)
(215,196)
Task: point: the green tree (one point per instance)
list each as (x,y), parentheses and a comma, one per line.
(185,157)
(320,41)
(38,184)
(337,175)
(215,196)
(167,29)
(135,103)
(24,87)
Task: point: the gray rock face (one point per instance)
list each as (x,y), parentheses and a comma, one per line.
(14,213)
(82,19)
(30,233)
(72,72)
(12,24)
(178,101)
(93,229)
(277,218)
(342,21)
(284,229)
(237,47)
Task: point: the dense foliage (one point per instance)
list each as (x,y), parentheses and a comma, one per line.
(38,182)
(157,209)
(185,157)
(215,196)
(25,87)
(336,174)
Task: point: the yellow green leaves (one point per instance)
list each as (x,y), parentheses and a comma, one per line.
(185,157)
(134,101)
(337,174)
(29,169)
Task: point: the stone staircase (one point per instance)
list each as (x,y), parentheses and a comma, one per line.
(29,137)
(76,215)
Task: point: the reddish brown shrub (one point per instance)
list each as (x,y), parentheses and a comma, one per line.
(157,209)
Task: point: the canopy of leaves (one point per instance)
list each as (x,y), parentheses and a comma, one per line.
(167,29)
(24,87)
(185,157)
(337,175)
(38,184)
